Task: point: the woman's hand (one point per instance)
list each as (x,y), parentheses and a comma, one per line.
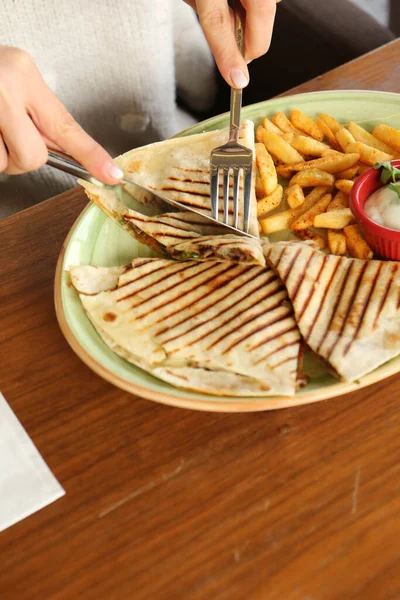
(216,19)
(32,119)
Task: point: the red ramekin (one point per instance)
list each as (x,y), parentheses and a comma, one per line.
(382,240)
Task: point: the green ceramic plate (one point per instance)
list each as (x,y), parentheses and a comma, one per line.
(96,240)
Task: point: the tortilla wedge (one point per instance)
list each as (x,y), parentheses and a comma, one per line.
(347,309)
(217,328)
(177,235)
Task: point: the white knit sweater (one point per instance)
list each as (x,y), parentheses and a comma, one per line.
(116,67)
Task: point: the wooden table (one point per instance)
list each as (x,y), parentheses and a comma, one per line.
(164,503)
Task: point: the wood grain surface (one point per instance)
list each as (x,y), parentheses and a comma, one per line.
(169,504)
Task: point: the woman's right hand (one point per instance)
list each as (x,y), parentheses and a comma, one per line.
(32,119)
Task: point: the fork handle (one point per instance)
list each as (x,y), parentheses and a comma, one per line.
(236,95)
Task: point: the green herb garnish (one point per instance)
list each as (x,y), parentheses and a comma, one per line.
(389,171)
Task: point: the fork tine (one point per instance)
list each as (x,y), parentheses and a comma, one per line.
(247,198)
(214,191)
(226,194)
(236,181)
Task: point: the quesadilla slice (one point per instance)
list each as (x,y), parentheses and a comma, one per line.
(213,327)
(179,169)
(347,309)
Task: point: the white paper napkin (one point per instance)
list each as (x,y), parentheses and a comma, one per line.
(26,482)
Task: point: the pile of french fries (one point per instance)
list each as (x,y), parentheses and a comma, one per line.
(307,168)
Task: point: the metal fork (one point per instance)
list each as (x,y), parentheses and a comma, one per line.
(233,156)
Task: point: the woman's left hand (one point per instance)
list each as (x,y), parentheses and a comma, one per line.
(216,19)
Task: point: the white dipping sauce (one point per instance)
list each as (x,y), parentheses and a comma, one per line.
(383,207)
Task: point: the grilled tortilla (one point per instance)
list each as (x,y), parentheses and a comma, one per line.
(217,328)
(347,309)
(180,169)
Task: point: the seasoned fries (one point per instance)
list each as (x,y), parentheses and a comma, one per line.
(362,135)
(328,133)
(369,155)
(312,178)
(307,219)
(323,157)
(265,205)
(281,221)
(344,185)
(300,121)
(333,125)
(308,145)
(388,135)
(266,169)
(281,149)
(357,246)
(295,196)
(269,126)
(334,219)
(337,242)
(341,200)
(259,188)
(309,234)
(282,122)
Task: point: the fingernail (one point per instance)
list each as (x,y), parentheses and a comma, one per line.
(238,78)
(113,171)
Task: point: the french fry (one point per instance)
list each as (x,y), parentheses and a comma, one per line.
(284,171)
(388,135)
(337,242)
(348,173)
(369,155)
(307,219)
(260,134)
(334,219)
(300,121)
(259,188)
(345,140)
(281,121)
(265,205)
(344,185)
(269,126)
(328,133)
(308,234)
(282,220)
(362,135)
(358,247)
(333,163)
(266,169)
(362,168)
(312,178)
(333,125)
(281,149)
(295,196)
(308,145)
(341,200)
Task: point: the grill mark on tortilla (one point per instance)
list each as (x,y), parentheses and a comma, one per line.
(385,295)
(252,332)
(220,299)
(187,221)
(273,352)
(337,301)
(299,281)
(285,360)
(322,303)
(180,376)
(280,258)
(236,315)
(160,234)
(290,267)
(348,309)
(291,327)
(364,308)
(311,292)
(182,295)
(155,261)
(167,276)
(201,182)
